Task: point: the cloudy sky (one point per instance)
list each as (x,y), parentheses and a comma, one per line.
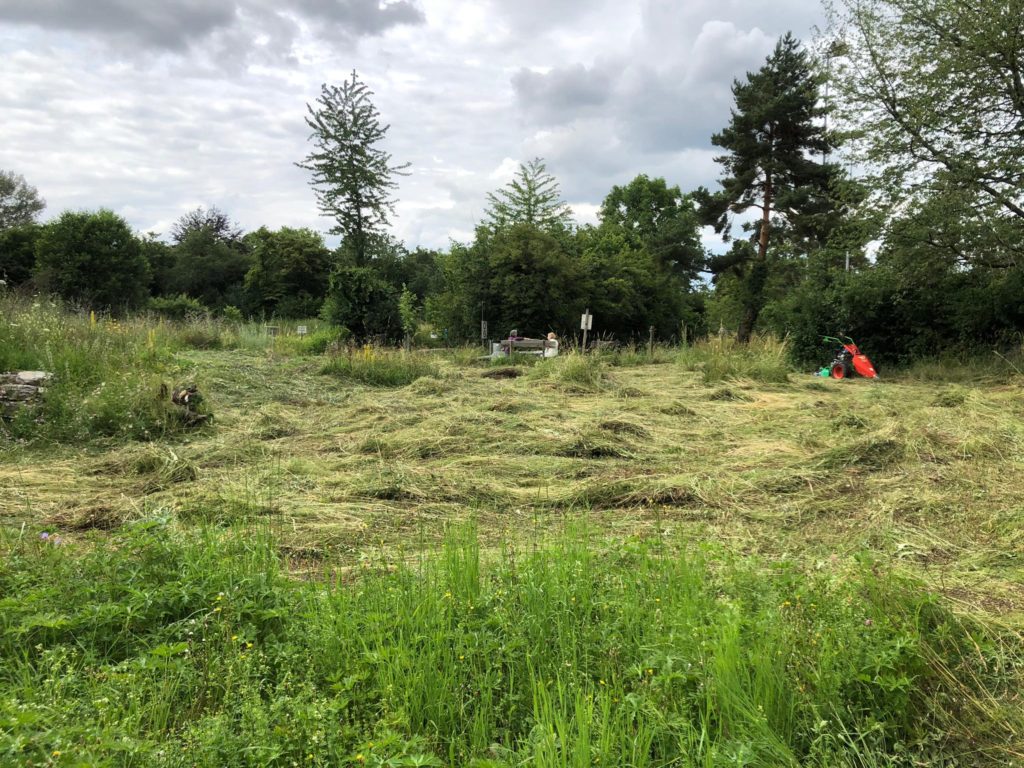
(154,107)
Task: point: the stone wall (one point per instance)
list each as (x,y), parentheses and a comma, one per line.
(19,389)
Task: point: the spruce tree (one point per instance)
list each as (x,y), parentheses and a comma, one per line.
(773,139)
(352,175)
(532,198)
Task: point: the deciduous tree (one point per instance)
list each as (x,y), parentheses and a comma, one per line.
(353,176)
(20,203)
(92,258)
(932,92)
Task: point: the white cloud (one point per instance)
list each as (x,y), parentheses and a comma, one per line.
(177,103)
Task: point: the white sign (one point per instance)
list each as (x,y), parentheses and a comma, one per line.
(483,329)
(586,322)
(301,330)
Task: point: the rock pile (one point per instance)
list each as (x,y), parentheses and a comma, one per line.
(20,389)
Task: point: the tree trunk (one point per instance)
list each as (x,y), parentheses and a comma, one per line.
(758,270)
(746,324)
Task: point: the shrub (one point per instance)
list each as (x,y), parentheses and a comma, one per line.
(319,341)
(177,307)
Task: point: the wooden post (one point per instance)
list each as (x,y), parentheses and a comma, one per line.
(650,344)
(585,324)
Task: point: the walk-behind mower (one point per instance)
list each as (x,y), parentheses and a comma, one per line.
(848,360)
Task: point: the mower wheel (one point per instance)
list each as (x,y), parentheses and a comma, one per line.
(839,371)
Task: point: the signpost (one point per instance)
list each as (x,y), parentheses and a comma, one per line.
(586,324)
(301,330)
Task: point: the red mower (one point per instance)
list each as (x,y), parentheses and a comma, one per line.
(848,360)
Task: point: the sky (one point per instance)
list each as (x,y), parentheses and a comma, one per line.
(153,107)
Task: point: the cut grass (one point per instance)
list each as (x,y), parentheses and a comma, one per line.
(922,480)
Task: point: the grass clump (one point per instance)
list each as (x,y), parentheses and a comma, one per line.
(874,452)
(575,374)
(165,648)
(375,368)
(762,359)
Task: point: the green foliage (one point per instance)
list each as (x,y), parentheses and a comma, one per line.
(161,258)
(93,259)
(179,307)
(763,359)
(931,94)
(169,648)
(407,312)
(628,290)
(209,266)
(352,175)
(379,369)
(532,198)
(289,274)
(18,253)
(535,281)
(323,339)
(20,203)
(358,299)
(771,141)
(660,220)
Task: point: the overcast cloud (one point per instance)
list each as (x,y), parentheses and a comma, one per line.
(152,107)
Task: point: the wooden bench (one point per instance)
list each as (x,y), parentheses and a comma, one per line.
(528,346)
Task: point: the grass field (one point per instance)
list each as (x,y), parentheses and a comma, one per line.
(700,558)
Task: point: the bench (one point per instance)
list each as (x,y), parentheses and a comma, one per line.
(529,346)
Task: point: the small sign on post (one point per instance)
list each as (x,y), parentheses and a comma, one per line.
(483,330)
(301,330)
(586,324)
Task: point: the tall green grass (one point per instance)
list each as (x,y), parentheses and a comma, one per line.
(764,359)
(107,374)
(164,648)
(379,368)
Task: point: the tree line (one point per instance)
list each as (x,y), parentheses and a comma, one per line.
(871,184)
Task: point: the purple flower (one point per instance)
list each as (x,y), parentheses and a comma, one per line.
(44,536)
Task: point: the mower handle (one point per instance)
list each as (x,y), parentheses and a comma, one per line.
(839,341)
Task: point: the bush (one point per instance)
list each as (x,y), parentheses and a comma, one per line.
(319,341)
(177,307)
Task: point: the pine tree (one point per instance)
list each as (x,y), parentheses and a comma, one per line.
(531,198)
(352,175)
(772,140)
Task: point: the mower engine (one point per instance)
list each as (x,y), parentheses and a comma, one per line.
(848,360)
